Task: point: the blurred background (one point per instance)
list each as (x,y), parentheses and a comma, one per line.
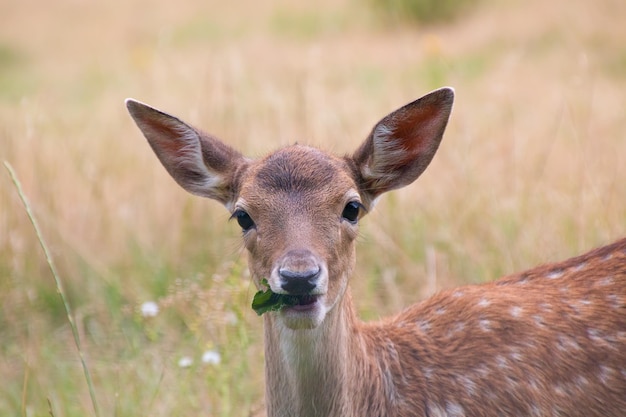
(532,169)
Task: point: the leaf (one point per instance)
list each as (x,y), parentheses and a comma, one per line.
(267,300)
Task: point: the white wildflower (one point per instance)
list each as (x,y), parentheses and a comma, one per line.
(185,362)
(149,309)
(211,357)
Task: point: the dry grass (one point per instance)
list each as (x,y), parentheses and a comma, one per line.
(532,169)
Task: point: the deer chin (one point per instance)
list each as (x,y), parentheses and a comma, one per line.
(305,316)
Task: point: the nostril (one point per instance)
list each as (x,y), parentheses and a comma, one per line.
(298,282)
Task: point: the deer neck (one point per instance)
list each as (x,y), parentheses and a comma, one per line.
(312,372)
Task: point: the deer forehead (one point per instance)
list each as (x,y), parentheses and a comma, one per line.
(300,177)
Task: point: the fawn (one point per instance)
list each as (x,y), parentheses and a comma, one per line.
(550,341)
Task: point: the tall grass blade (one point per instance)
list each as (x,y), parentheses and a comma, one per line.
(57,281)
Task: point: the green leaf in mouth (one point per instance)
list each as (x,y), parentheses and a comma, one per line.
(267,300)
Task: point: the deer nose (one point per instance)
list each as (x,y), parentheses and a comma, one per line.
(299,272)
(298,282)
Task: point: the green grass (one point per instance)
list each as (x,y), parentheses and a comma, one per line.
(530,170)
(424,11)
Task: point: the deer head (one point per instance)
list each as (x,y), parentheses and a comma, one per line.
(299,207)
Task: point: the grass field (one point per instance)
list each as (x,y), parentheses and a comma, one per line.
(532,169)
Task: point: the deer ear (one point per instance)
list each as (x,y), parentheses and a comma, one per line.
(198,162)
(403,143)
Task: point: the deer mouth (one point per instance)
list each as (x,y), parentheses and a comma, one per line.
(303,302)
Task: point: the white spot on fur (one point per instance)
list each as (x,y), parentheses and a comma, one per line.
(560,391)
(595,335)
(469,384)
(580,307)
(532,383)
(581,381)
(614,300)
(600,339)
(454,410)
(565,343)
(485,325)
(423,325)
(483,371)
(434,410)
(580,266)
(554,274)
(516,355)
(605,374)
(502,362)
(546,307)
(457,328)
(483,302)
(606,281)
(575,307)
(516,311)
(535,411)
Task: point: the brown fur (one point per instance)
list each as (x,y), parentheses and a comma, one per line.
(550,341)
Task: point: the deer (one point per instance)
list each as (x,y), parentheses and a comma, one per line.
(550,341)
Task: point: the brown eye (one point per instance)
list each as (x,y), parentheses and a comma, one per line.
(351,212)
(244,220)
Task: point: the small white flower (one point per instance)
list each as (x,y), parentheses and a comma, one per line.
(211,357)
(149,309)
(185,362)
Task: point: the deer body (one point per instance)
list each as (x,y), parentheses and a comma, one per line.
(547,342)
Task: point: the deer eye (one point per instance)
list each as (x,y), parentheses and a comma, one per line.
(351,212)
(244,220)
